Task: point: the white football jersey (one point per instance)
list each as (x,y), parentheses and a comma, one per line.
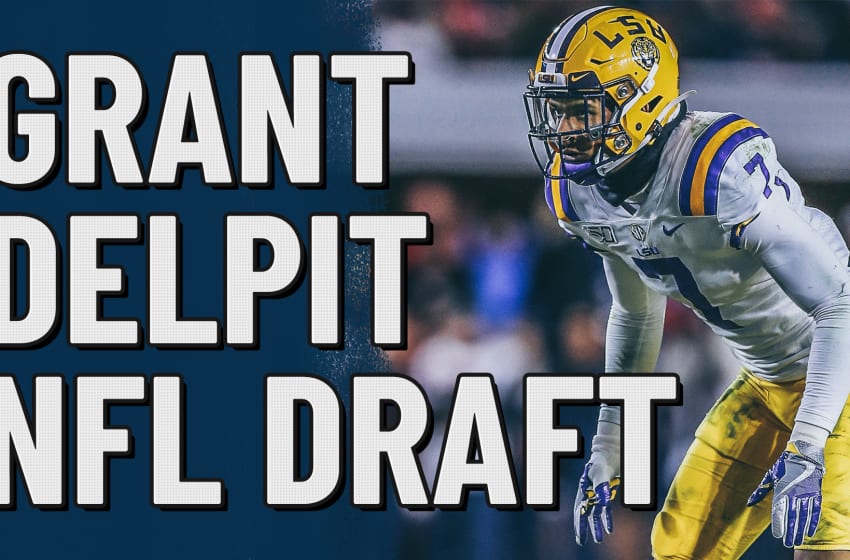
(717,172)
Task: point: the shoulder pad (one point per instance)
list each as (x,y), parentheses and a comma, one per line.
(701,176)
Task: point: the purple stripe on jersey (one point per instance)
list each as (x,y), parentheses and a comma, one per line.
(547,192)
(718,162)
(566,202)
(738,231)
(693,158)
(565,193)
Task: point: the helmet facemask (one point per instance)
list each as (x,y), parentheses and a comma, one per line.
(578,124)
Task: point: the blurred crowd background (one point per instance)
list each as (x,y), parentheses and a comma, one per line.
(764,29)
(503,290)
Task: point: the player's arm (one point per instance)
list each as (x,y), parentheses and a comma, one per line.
(817,281)
(632,341)
(806,256)
(634,331)
(635,323)
(812,275)
(808,261)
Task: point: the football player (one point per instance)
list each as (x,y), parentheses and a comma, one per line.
(696,206)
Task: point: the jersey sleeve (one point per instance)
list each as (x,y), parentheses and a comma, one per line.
(732,172)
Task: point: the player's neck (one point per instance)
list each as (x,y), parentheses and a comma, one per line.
(635,176)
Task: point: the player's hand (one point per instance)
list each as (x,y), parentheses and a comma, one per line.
(795,479)
(592,512)
(600,480)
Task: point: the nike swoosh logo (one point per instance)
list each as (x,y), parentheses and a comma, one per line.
(672,230)
(577,77)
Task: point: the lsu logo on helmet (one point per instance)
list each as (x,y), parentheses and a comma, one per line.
(644,52)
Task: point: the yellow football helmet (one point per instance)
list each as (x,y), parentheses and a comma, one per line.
(605,83)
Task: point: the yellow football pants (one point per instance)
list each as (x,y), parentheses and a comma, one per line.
(705,515)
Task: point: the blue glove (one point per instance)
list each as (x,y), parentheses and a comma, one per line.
(795,479)
(592,512)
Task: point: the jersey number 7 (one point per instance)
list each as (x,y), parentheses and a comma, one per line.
(758,161)
(656,268)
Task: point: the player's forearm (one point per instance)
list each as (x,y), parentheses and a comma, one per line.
(635,323)
(828,378)
(632,341)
